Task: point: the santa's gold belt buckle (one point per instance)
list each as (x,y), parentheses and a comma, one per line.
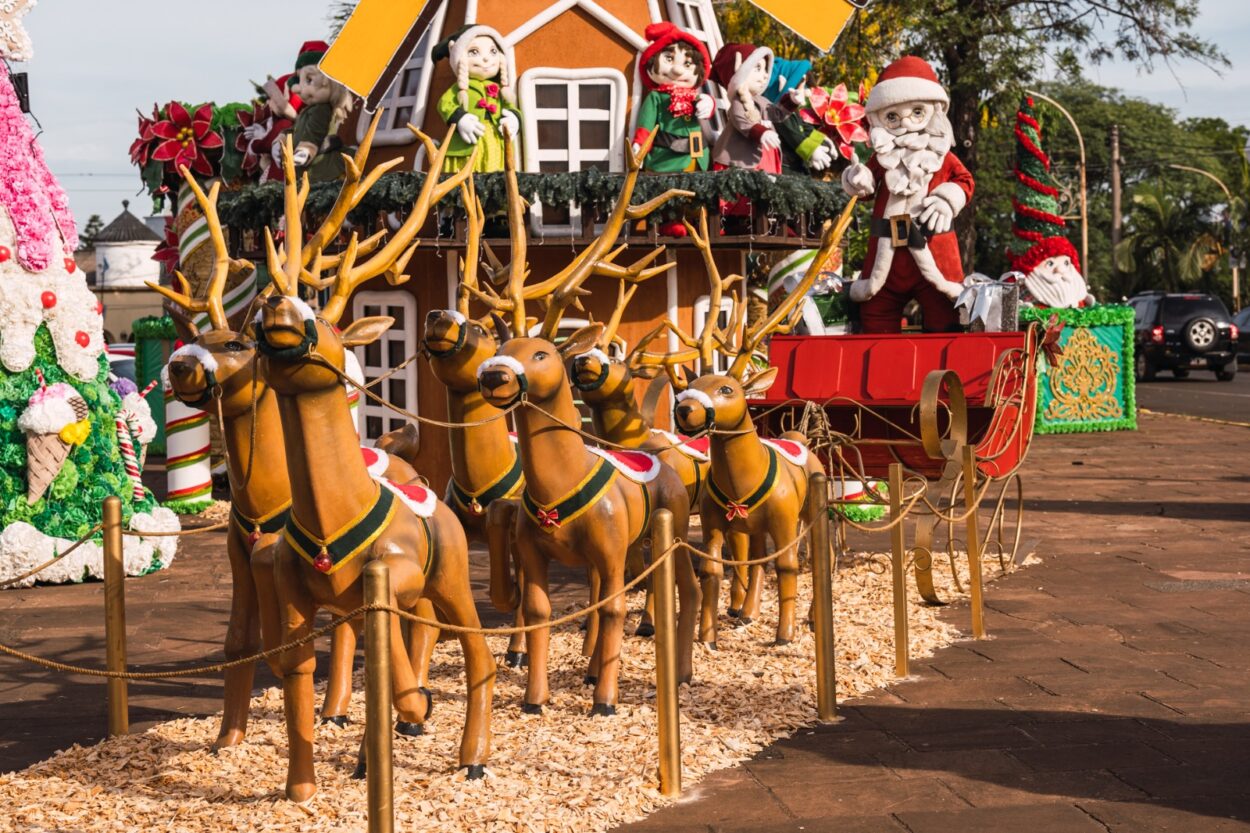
(900,230)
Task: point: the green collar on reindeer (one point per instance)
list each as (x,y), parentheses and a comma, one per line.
(305,346)
(267,524)
(742,508)
(605,365)
(461,338)
(505,485)
(329,554)
(555,515)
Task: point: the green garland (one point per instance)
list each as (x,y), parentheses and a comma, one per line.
(784,196)
(1103,315)
(159,327)
(93,470)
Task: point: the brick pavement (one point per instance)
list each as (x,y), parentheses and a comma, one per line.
(1112,694)
(1110,698)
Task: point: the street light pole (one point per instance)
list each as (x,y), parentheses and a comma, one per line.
(1232,262)
(1080,143)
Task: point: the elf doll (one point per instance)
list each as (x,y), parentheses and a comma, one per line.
(482,104)
(673,69)
(325,106)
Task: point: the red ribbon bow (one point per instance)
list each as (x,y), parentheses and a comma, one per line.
(735,510)
(549,518)
(487,106)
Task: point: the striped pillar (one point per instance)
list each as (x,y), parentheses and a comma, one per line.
(190,482)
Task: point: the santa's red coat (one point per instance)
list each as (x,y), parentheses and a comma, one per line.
(945,247)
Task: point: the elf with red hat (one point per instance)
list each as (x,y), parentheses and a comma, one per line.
(326,105)
(919,187)
(674,68)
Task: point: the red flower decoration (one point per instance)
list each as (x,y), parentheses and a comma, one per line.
(167,251)
(487,106)
(70,265)
(185,137)
(834,114)
(492,90)
(48,299)
(5,254)
(82,338)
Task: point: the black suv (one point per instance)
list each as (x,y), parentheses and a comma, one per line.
(1182,332)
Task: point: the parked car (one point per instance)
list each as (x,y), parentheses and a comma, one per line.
(1181,332)
(1242,320)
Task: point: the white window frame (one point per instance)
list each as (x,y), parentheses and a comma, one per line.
(407,335)
(422,58)
(700,309)
(532,114)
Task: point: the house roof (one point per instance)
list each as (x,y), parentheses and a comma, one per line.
(127,228)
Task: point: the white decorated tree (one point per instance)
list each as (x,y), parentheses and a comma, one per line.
(60,432)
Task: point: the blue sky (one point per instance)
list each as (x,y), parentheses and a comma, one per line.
(96,61)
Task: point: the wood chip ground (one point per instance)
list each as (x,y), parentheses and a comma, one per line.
(559,771)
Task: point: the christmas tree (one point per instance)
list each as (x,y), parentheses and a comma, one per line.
(63,426)
(1038,227)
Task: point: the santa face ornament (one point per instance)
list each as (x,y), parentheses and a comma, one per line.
(1056,282)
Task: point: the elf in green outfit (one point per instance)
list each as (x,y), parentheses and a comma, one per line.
(326,104)
(674,68)
(482,104)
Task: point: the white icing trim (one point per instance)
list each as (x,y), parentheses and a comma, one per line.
(501,361)
(953,194)
(594,353)
(305,311)
(611,21)
(379,466)
(681,445)
(799,459)
(194,351)
(457,316)
(698,396)
(636,476)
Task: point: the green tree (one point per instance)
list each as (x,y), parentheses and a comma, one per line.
(1167,244)
(87,235)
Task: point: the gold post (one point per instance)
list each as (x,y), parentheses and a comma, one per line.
(378,699)
(898,562)
(115,615)
(822,597)
(666,705)
(974,541)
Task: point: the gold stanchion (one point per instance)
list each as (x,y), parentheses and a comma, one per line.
(378,699)
(899,565)
(666,705)
(974,542)
(115,615)
(822,597)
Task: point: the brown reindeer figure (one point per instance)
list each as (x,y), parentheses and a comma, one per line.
(756,488)
(341,517)
(216,372)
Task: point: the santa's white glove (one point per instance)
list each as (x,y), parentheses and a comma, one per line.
(301,157)
(254,131)
(769,140)
(509,124)
(936,214)
(857,181)
(470,128)
(635,147)
(275,150)
(822,157)
(704,106)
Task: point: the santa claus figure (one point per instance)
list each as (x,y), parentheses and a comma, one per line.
(1052,276)
(919,188)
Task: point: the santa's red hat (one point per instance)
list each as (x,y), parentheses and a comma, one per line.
(735,61)
(907,79)
(1044,250)
(663,35)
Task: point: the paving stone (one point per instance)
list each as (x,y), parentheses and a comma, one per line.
(1211,816)
(1039,818)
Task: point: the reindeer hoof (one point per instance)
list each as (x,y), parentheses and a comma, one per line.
(474,772)
(780,642)
(339,720)
(412,730)
(515,659)
(361,770)
(531,708)
(602,710)
(590,679)
(743,621)
(711,646)
(645,629)
(734,612)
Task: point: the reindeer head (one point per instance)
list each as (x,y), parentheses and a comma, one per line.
(715,402)
(457,346)
(598,377)
(301,352)
(531,367)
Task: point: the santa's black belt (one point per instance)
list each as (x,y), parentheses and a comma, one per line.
(901,231)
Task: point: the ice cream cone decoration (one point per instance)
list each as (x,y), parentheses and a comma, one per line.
(55,420)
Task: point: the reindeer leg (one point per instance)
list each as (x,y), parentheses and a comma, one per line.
(505,593)
(713,573)
(422,642)
(267,598)
(537,611)
(412,702)
(298,664)
(242,639)
(611,636)
(596,649)
(784,531)
(635,565)
(515,656)
(755,585)
(459,609)
(342,658)
(592,619)
(739,579)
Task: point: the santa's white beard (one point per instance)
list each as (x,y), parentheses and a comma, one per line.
(1060,287)
(909,159)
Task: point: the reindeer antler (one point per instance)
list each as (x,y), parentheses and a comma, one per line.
(476,221)
(783,318)
(223,264)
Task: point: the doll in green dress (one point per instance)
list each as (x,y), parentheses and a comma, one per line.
(482,104)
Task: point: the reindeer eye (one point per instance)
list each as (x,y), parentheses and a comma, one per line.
(235,346)
(540,355)
(725,390)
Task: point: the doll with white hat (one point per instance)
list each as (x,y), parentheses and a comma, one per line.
(482,103)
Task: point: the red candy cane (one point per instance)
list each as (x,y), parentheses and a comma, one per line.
(128,458)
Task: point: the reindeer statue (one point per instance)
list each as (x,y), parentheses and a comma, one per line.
(756,488)
(216,372)
(341,517)
(595,505)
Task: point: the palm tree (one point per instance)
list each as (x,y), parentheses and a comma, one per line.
(1167,245)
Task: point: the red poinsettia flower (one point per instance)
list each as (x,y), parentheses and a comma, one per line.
(837,116)
(253,123)
(167,251)
(185,138)
(141,148)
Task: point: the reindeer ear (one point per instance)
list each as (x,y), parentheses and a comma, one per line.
(584,339)
(366,330)
(760,382)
